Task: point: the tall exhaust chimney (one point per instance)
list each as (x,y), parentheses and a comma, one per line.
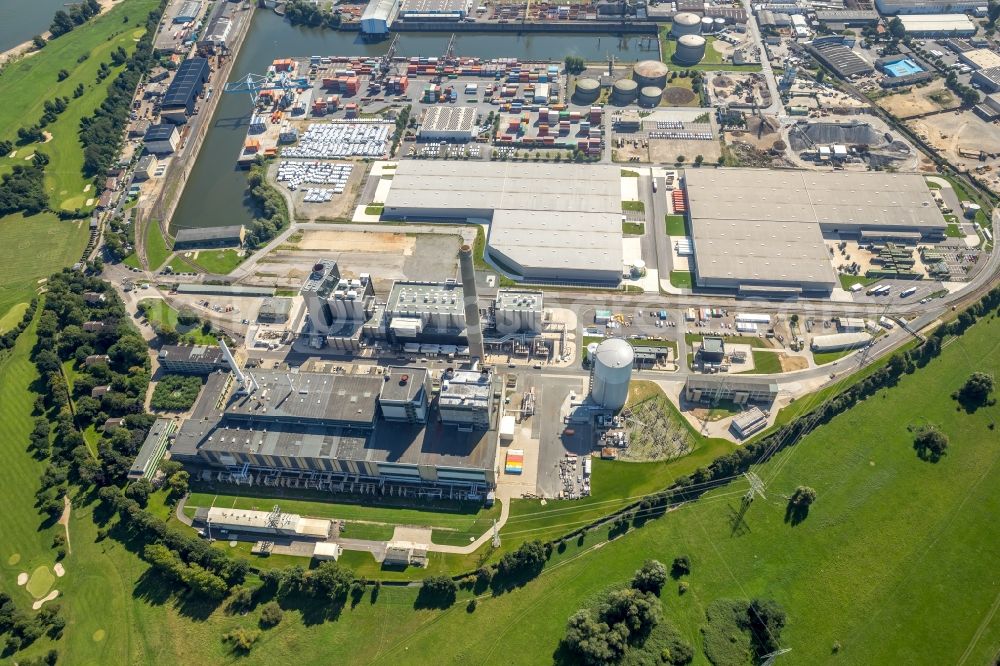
(471,299)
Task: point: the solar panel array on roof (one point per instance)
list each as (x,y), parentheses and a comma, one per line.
(187,83)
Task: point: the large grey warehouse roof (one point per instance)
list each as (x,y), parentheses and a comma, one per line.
(757,225)
(546,219)
(841,59)
(186,83)
(309,397)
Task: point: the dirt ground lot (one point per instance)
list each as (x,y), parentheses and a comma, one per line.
(790,363)
(357,241)
(919,100)
(951,132)
(387,256)
(667,150)
(760,133)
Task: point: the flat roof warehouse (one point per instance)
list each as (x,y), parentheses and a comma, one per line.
(547,222)
(753,227)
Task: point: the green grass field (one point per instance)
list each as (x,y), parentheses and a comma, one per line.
(31,248)
(157,251)
(179,264)
(13,316)
(682,279)
(766,363)
(160,313)
(633,228)
(25,87)
(822,358)
(848,281)
(634,206)
(755,342)
(220,262)
(676,225)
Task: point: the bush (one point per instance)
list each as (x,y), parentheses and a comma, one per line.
(241,639)
(975,392)
(271,615)
(436,592)
(681,566)
(625,619)
(930,444)
(650,577)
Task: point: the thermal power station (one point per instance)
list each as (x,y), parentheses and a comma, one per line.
(470,297)
(611,372)
(690,50)
(685,23)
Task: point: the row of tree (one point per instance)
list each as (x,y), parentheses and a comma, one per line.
(102,133)
(302,12)
(63,21)
(271,208)
(21,628)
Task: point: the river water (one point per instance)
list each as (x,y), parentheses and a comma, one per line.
(215,194)
(20,20)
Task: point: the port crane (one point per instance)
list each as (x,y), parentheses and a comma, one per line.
(255,84)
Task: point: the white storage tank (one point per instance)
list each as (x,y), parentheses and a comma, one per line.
(707,24)
(587,91)
(690,50)
(650,96)
(720,24)
(685,23)
(611,372)
(650,73)
(624,92)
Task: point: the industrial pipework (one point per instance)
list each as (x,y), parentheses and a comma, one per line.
(471,299)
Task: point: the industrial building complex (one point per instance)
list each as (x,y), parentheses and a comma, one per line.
(547,223)
(336,429)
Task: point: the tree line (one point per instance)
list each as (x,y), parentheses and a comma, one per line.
(271,207)
(63,21)
(102,133)
(21,629)
(302,12)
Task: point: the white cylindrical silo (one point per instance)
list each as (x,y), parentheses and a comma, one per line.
(611,373)
(690,50)
(707,24)
(685,23)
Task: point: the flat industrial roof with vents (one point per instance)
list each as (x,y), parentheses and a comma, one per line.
(762,227)
(548,222)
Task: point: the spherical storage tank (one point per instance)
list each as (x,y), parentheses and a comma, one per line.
(611,373)
(587,91)
(690,50)
(650,73)
(650,96)
(685,23)
(624,91)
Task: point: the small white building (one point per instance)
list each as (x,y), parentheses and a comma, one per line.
(448,123)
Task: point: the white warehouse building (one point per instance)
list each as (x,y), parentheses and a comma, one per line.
(379,16)
(448,123)
(548,223)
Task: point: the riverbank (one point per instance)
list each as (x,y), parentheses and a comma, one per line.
(27,48)
(163,209)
